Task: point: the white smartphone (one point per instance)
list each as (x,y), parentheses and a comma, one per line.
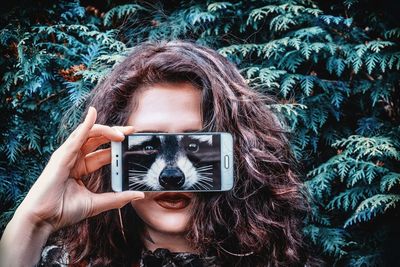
(200,161)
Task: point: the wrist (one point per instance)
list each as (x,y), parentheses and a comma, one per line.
(33,223)
(23,241)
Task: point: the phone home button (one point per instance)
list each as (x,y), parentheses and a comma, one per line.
(226,162)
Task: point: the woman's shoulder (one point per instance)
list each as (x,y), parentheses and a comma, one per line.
(54,256)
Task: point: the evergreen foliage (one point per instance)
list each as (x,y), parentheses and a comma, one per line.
(332,65)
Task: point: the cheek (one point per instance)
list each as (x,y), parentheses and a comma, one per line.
(160,219)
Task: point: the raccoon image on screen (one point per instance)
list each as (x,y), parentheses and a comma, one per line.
(172,162)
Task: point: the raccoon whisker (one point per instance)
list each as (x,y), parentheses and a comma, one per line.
(200,186)
(206,180)
(204,168)
(204,186)
(137,177)
(206,173)
(142,186)
(196,187)
(141,176)
(139,173)
(202,181)
(135,163)
(137,182)
(202,177)
(135,171)
(207,165)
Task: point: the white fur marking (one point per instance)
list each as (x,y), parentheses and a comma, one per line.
(203,138)
(189,170)
(151,179)
(137,140)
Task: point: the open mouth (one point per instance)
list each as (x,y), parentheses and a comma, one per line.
(174,201)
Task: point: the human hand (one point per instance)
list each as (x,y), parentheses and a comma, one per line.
(59,198)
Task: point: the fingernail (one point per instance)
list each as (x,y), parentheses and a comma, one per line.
(87,114)
(119,132)
(129,129)
(138,195)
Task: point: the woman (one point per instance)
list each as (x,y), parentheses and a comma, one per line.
(168,87)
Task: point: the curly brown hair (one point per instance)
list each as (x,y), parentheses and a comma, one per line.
(262,214)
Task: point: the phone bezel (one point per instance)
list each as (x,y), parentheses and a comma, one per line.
(227,174)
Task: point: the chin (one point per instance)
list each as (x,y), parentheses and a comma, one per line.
(166,212)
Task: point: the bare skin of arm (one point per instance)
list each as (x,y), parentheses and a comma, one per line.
(59,198)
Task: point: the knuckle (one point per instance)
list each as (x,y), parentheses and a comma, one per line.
(56,153)
(91,207)
(117,200)
(76,129)
(117,128)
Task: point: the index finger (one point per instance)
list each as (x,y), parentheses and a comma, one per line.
(125,129)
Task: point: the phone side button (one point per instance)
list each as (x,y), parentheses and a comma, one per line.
(226,162)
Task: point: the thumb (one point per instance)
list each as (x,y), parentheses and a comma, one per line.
(113,200)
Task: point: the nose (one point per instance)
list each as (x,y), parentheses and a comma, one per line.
(171,178)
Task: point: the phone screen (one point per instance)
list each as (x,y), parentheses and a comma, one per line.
(187,162)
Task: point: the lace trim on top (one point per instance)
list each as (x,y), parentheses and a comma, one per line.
(56,256)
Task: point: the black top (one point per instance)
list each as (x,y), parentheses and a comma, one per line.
(55,256)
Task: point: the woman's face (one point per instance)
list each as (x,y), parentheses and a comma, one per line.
(169,108)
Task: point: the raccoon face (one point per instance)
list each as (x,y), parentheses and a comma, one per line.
(171,162)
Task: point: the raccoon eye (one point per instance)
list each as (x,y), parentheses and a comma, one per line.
(149,149)
(193,147)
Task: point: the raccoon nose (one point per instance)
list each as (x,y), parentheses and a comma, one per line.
(171,178)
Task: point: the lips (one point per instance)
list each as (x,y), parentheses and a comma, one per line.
(173,201)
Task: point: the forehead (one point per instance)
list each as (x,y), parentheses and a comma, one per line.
(167,107)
